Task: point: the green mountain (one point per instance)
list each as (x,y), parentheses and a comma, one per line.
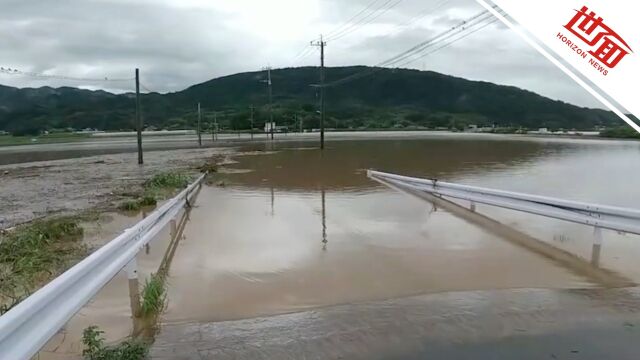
(385,98)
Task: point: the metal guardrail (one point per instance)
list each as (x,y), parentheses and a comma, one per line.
(29,325)
(598,216)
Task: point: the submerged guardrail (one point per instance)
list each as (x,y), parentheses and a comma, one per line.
(598,216)
(30,324)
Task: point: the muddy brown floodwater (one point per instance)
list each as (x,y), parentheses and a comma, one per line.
(304,229)
(288,228)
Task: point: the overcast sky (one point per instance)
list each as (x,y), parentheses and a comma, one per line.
(178,43)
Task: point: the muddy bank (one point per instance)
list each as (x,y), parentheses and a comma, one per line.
(34,190)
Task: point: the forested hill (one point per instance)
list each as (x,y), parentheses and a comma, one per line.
(385,98)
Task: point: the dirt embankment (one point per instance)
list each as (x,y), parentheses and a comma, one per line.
(33,190)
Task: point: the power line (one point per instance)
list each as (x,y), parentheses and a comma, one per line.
(146,88)
(426,11)
(348,22)
(482,16)
(11,71)
(308,50)
(388,5)
(420,48)
(449,43)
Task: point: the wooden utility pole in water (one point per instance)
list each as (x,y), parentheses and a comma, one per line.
(199,120)
(138,118)
(270,94)
(321,44)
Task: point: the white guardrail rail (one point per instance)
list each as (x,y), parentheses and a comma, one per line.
(599,216)
(30,324)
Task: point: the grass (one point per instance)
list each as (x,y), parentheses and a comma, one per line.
(95,349)
(9,140)
(159,186)
(131,205)
(153,296)
(168,180)
(34,253)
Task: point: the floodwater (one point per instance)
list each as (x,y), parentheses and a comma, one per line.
(290,228)
(301,229)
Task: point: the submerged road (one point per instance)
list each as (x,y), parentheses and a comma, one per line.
(499,324)
(298,256)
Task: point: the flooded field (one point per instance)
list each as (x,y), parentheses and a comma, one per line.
(288,228)
(301,228)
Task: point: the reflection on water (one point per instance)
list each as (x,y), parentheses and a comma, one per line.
(241,259)
(341,166)
(261,246)
(324,222)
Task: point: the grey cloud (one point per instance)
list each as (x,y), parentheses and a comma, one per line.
(177,46)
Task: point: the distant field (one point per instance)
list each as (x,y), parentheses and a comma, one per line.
(8,140)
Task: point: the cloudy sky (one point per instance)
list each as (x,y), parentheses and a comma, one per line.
(178,43)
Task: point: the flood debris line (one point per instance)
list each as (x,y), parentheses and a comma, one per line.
(34,253)
(65,187)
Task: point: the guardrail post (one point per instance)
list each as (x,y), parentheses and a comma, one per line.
(597,245)
(472,206)
(134,289)
(173,229)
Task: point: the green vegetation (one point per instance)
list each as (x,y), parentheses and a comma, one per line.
(153,296)
(159,186)
(391,99)
(95,349)
(8,140)
(130,205)
(35,253)
(168,180)
(147,200)
(623,132)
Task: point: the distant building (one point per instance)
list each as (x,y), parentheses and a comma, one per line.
(268,126)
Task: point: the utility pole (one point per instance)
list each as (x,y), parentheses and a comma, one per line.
(321,44)
(301,130)
(138,118)
(215,124)
(251,122)
(268,81)
(199,120)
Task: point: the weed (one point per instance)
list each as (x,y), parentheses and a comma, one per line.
(94,348)
(135,205)
(172,180)
(148,200)
(153,296)
(34,253)
(131,205)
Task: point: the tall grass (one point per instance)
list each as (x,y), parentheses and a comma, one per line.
(35,253)
(172,180)
(153,296)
